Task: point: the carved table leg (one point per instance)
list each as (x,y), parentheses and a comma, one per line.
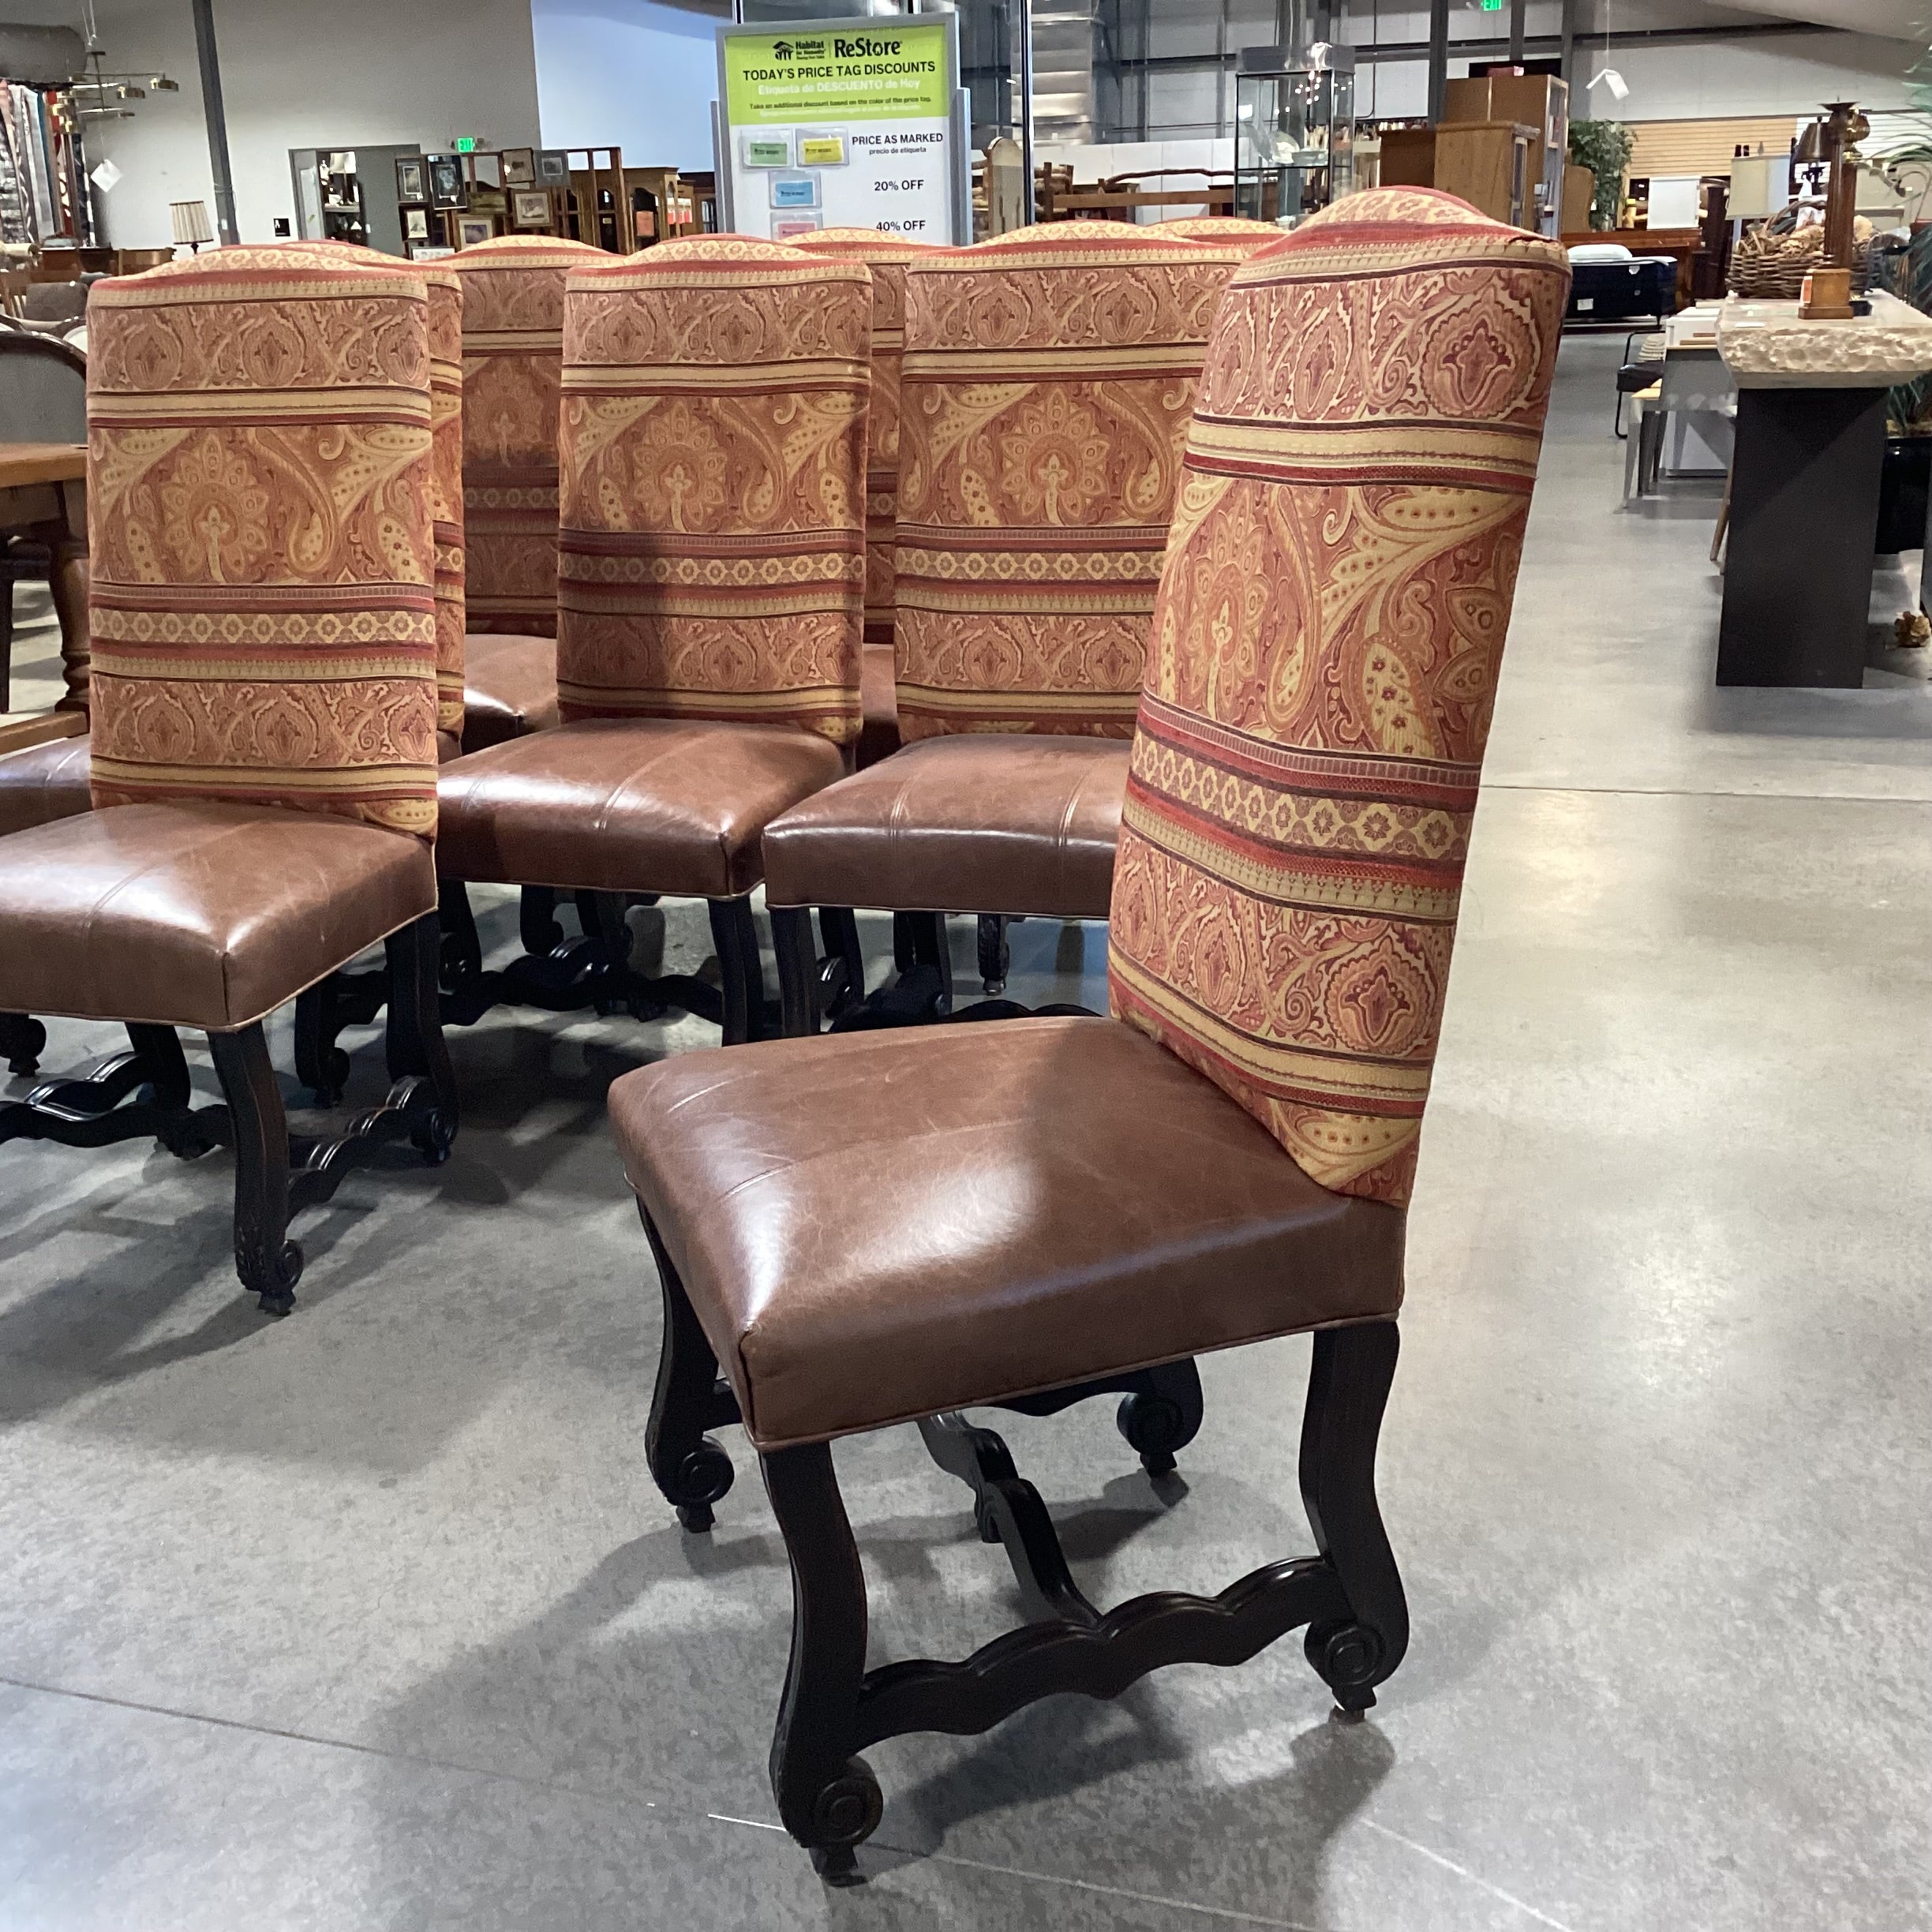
(827,1796)
(68,580)
(268,1264)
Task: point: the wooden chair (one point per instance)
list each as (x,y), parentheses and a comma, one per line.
(710,608)
(263,755)
(858,1232)
(1048,377)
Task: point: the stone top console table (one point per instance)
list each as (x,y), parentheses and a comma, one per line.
(1768,345)
(1804,487)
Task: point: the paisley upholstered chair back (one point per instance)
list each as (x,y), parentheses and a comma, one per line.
(1330,622)
(513,362)
(886,256)
(713,447)
(446,414)
(1049,375)
(1234,231)
(260,486)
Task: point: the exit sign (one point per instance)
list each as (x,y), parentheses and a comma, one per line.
(1492,6)
(465,144)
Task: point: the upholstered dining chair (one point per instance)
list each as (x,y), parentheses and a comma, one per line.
(901,1226)
(263,691)
(886,256)
(1047,379)
(1225,231)
(513,366)
(711,577)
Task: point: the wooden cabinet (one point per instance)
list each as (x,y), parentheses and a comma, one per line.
(1490,165)
(1539,102)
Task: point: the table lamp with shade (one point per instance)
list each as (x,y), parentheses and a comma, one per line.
(191,223)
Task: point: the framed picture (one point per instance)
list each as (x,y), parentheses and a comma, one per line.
(552,168)
(416,224)
(530,207)
(472,228)
(410,178)
(519,167)
(447,188)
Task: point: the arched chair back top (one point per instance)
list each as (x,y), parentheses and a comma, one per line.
(1235,231)
(513,362)
(446,421)
(259,480)
(886,256)
(1049,373)
(43,388)
(1330,622)
(712,450)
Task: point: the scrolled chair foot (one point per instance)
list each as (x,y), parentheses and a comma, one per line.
(703,1478)
(845,1813)
(271,1277)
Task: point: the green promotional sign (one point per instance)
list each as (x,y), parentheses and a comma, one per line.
(896,71)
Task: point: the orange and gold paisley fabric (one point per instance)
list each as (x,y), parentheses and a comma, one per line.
(513,364)
(259,487)
(886,256)
(1048,377)
(1331,621)
(1235,231)
(446,410)
(711,552)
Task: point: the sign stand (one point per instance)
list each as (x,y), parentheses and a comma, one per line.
(857,123)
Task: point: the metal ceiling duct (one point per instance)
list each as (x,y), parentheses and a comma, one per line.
(41,56)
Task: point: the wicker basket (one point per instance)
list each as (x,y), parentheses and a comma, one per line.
(1770,265)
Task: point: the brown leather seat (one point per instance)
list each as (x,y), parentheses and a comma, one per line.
(992,822)
(666,805)
(876,1226)
(509,687)
(196,915)
(43,783)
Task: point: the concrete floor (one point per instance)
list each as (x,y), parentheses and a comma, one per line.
(372,1617)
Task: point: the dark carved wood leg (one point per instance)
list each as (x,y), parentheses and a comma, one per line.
(798,971)
(735,934)
(23,1039)
(1348,1390)
(462,949)
(841,972)
(536,921)
(995,955)
(827,1796)
(268,1263)
(1349,1597)
(687,1466)
(412,1039)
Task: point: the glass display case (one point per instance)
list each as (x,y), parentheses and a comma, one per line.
(1294,131)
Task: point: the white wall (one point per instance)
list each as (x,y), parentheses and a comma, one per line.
(296,73)
(627,73)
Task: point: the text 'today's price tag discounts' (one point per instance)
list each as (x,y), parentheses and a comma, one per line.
(841,125)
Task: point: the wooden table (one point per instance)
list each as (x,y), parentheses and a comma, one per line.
(43,496)
(1804,490)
